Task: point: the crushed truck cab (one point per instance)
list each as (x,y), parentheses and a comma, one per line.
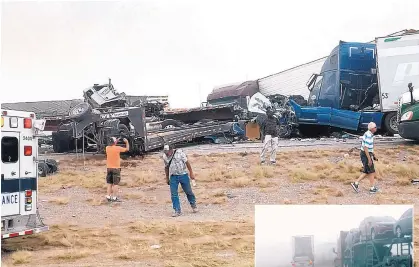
(19,174)
(360,83)
(408,114)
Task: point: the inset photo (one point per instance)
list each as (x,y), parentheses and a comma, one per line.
(334,235)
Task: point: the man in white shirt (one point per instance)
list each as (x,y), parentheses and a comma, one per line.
(367,157)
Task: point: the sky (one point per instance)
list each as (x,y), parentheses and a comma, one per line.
(276,224)
(53,50)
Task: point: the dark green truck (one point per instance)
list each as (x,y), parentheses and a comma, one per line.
(408,114)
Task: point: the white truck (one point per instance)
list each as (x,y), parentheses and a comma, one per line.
(397,66)
(292,81)
(19,174)
(303,251)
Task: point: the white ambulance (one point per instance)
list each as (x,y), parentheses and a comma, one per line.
(19,174)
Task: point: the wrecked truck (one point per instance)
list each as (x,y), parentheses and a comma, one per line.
(283,112)
(408,114)
(360,83)
(303,251)
(105,114)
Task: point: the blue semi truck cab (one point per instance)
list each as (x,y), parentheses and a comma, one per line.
(360,83)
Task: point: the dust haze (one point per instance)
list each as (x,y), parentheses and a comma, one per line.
(276,224)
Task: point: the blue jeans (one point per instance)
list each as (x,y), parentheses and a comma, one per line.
(186,186)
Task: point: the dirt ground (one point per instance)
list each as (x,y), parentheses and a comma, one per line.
(86,231)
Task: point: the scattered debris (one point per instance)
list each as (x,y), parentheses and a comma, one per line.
(47,167)
(243,154)
(155,247)
(230,195)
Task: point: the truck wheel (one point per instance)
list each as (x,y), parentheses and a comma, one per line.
(43,169)
(391,123)
(80,111)
(123,129)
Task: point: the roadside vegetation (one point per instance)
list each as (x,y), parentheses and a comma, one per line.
(228,184)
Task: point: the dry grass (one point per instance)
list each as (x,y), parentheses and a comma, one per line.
(96,201)
(325,191)
(301,175)
(72,255)
(240,170)
(264,183)
(21,257)
(60,200)
(214,199)
(218,193)
(262,172)
(179,243)
(240,182)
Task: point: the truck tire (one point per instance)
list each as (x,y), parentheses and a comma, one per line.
(80,111)
(52,164)
(169,123)
(123,130)
(43,169)
(390,123)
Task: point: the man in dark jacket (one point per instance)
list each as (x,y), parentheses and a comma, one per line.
(270,132)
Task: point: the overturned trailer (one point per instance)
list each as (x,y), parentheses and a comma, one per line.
(93,130)
(105,113)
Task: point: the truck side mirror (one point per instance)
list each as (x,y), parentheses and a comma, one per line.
(311,81)
(410,86)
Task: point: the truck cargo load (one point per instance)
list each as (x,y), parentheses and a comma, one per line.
(291,81)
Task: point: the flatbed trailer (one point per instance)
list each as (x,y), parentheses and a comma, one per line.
(395,252)
(130,123)
(220,112)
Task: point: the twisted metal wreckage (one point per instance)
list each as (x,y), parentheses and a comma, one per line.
(105,113)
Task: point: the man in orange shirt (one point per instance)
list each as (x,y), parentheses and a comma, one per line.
(113,164)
